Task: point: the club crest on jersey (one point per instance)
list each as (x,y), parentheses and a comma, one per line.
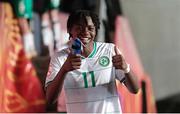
(104,61)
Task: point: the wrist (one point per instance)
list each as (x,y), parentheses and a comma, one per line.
(64,69)
(127,69)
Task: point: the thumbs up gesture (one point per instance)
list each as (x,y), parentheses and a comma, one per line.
(119,62)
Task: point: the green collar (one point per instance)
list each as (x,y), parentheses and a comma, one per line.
(93,52)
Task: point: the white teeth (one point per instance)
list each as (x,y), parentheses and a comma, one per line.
(85,39)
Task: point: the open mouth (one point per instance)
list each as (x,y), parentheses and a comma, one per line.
(85,40)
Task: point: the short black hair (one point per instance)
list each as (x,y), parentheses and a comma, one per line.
(79,16)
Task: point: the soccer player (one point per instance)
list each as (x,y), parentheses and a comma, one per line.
(89,77)
(50,24)
(23,12)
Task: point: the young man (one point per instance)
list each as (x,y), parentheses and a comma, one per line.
(88,78)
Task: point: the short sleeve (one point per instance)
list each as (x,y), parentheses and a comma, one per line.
(119,74)
(55,65)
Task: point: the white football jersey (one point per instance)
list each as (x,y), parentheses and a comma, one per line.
(92,88)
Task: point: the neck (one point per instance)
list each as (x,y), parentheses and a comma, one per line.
(87,50)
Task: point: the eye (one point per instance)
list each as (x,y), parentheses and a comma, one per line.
(78,28)
(91,28)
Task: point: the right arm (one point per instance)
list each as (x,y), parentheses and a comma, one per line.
(54,88)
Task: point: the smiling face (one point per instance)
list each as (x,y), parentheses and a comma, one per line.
(85,31)
(84,25)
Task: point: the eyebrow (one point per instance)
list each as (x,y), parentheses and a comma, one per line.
(85,25)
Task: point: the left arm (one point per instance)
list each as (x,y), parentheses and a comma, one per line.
(131,82)
(130,79)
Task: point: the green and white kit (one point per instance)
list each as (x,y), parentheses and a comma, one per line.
(23,8)
(54,4)
(92,88)
(51,4)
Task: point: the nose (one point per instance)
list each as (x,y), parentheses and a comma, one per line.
(84,30)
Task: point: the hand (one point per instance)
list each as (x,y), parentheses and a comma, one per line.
(72,62)
(118,60)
